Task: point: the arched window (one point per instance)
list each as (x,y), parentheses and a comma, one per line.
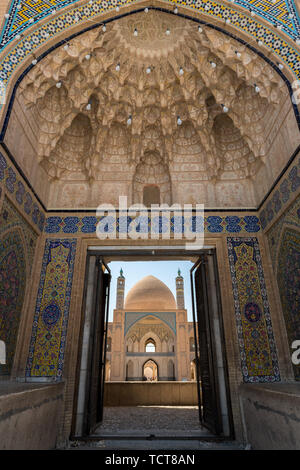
(150,346)
(108,344)
(2,352)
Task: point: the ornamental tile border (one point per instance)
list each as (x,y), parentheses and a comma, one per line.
(49,244)
(245,356)
(24,13)
(212,224)
(244,22)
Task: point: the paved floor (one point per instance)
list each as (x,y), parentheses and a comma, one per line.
(146,421)
(152,445)
(152,428)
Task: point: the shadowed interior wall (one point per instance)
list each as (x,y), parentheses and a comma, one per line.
(30,416)
(271,414)
(17,246)
(284,242)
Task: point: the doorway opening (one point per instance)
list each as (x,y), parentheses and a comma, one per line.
(150,371)
(147,337)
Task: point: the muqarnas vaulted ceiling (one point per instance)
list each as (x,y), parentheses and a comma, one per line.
(194,112)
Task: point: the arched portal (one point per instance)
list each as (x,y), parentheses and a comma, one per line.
(150,371)
(165,153)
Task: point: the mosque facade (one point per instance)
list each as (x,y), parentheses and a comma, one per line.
(150,337)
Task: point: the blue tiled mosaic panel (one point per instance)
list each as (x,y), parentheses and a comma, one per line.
(23,197)
(24,13)
(288,186)
(212,224)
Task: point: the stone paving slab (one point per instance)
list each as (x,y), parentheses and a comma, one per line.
(147,420)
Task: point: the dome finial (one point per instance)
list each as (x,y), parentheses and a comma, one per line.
(179,272)
(121,272)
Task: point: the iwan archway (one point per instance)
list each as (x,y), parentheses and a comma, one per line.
(205,116)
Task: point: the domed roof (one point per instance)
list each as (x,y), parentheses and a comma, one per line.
(150,294)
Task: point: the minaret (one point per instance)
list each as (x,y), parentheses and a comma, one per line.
(120,291)
(179,291)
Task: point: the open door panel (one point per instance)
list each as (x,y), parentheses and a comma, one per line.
(210,414)
(97,348)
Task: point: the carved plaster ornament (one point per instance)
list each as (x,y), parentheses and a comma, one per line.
(82,97)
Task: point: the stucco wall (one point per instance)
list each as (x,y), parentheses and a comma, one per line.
(29,415)
(153,393)
(271,415)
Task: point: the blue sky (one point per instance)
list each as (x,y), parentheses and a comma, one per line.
(166,271)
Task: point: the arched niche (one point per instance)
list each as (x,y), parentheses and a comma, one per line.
(171,370)
(129,370)
(151,195)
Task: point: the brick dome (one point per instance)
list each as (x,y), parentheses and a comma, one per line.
(150,294)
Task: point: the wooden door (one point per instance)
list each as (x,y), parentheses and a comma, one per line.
(97,348)
(206,362)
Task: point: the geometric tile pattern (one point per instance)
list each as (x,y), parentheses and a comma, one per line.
(47,345)
(281,195)
(240,20)
(24,13)
(258,354)
(212,224)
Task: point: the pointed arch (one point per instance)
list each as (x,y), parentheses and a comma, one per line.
(150,370)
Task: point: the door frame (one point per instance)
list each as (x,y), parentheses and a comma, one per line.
(124,252)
